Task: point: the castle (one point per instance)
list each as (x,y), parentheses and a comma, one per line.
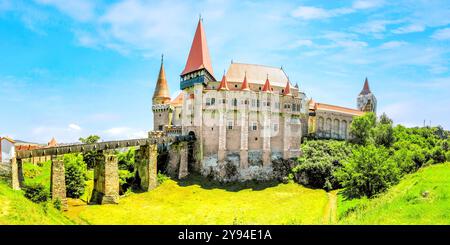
(247,120)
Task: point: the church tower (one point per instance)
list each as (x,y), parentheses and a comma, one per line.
(366,100)
(162,110)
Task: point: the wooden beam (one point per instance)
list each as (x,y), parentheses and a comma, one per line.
(76,148)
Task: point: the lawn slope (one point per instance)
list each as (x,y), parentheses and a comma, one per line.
(16,209)
(420,198)
(196,203)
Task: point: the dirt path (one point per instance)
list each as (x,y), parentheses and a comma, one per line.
(330,214)
(76,206)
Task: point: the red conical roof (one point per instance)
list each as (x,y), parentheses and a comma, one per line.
(223,84)
(366,89)
(287,89)
(267,87)
(245,83)
(199,55)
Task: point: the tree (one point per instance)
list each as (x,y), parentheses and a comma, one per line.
(76,175)
(383,134)
(368,172)
(384,119)
(91,139)
(90,156)
(361,127)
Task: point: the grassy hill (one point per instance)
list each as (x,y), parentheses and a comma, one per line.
(420,198)
(195,201)
(16,209)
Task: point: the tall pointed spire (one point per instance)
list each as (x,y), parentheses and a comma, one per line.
(223,84)
(287,89)
(267,87)
(199,54)
(366,88)
(245,86)
(161,94)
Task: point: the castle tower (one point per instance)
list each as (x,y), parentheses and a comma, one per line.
(195,75)
(366,100)
(162,110)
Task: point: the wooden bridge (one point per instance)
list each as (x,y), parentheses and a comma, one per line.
(106,177)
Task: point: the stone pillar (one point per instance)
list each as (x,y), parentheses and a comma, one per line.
(174,160)
(106,180)
(243,157)
(286,136)
(221,154)
(267,130)
(15,183)
(58,181)
(147,166)
(183,171)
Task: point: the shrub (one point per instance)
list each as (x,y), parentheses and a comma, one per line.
(368,172)
(126,180)
(76,175)
(162,177)
(319,161)
(361,127)
(126,159)
(383,134)
(57,204)
(36,192)
(438,155)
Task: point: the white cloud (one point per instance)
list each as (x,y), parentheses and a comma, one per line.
(309,13)
(75,127)
(81,10)
(301,43)
(442,34)
(367,4)
(392,44)
(409,29)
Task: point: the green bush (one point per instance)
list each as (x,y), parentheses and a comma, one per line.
(162,177)
(36,192)
(126,159)
(76,175)
(368,172)
(126,180)
(57,204)
(319,161)
(361,128)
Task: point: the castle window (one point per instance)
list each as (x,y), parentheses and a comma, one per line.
(268,103)
(257,103)
(254,126)
(213,101)
(294,107)
(224,101)
(246,102)
(253,103)
(160,127)
(256,138)
(234,102)
(230,125)
(259,88)
(235,85)
(208,101)
(275,127)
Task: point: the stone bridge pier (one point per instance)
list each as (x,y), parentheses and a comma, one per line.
(106,179)
(146,166)
(58,181)
(178,160)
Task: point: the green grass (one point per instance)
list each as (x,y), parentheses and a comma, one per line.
(406,202)
(196,201)
(34,174)
(16,209)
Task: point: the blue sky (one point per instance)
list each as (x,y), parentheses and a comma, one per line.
(73,68)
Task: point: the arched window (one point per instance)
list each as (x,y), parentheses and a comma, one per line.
(335,133)
(344,129)
(328,127)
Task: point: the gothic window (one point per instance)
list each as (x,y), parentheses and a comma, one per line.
(213,101)
(230,125)
(234,102)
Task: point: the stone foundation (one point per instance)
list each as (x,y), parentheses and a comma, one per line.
(146,164)
(106,180)
(58,181)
